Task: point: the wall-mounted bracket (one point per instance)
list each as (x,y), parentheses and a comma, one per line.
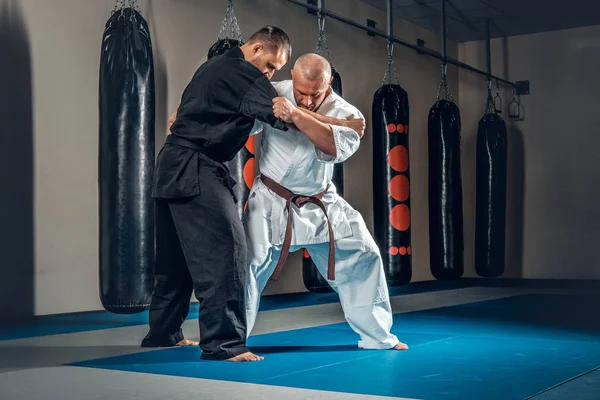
(420,44)
(311,3)
(371,24)
(521,87)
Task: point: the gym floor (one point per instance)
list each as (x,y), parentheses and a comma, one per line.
(474,339)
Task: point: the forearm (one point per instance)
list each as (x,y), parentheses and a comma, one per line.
(318,132)
(325,119)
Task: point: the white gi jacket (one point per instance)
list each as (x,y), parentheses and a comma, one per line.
(308,171)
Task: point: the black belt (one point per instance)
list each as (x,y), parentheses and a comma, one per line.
(172,139)
(178,141)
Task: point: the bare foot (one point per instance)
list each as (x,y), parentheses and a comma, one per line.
(187,342)
(400,346)
(247,356)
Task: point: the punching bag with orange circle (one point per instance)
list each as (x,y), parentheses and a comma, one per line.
(490,208)
(241,167)
(391,178)
(445,186)
(313,280)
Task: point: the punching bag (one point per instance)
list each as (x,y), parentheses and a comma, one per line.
(336,83)
(445,191)
(490,217)
(313,280)
(391,182)
(222,45)
(126,164)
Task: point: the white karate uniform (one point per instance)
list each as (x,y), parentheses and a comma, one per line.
(291,159)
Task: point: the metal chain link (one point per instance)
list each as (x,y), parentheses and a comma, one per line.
(443,90)
(322,41)
(230,28)
(390,70)
(121,5)
(490,106)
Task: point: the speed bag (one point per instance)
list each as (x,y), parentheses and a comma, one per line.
(446,247)
(391,182)
(126,164)
(313,280)
(490,209)
(241,167)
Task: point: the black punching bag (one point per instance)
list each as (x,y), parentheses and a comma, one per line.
(222,45)
(241,167)
(313,280)
(391,187)
(126,164)
(445,191)
(490,217)
(336,83)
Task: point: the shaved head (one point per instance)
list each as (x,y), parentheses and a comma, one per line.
(313,67)
(311,78)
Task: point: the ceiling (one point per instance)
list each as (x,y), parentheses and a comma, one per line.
(466,19)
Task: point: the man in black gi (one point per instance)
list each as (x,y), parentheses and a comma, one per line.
(200,242)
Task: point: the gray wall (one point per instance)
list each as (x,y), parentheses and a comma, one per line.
(554,181)
(49,147)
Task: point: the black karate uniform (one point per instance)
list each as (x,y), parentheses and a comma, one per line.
(200,242)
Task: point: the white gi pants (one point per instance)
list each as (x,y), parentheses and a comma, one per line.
(359,276)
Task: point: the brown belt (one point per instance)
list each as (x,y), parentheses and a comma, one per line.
(299,200)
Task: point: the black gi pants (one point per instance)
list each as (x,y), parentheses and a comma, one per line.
(200,246)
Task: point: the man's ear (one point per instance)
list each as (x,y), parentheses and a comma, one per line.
(257,47)
(330,79)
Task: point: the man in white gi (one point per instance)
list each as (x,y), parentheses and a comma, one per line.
(293,204)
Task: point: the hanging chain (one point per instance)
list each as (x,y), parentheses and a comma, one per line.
(443,90)
(230,28)
(121,5)
(390,70)
(322,41)
(490,107)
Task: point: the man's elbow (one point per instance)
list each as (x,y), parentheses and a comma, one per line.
(331,151)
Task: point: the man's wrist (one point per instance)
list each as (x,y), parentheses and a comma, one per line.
(295,115)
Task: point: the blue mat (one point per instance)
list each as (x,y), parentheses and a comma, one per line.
(500,349)
(96,320)
(585,387)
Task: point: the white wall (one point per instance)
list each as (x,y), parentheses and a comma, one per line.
(50,240)
(554,182)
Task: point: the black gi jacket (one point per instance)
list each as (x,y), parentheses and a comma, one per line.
(217,113)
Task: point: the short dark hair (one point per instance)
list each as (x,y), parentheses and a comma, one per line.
(273,39)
